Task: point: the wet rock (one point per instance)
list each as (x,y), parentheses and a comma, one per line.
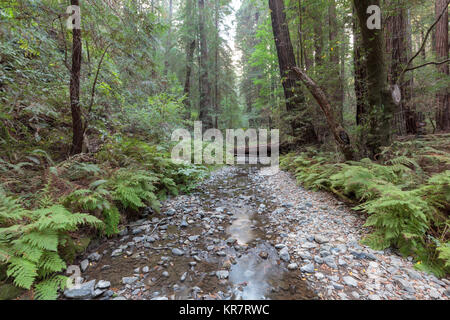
(84,265)
(116,253)
(177,252)
(284,254)
(405,285)
(129,280)
(221,253)
(83,291)
(350,281)
(320,239)
(292,266)
(309,268)
(330,262)
(170,212)
(95,256)
(102,284)
(309,245)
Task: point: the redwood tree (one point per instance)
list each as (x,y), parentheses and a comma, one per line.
(77,122)
(302,128)
(441,38)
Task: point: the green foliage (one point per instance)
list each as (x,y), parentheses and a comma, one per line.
(406,208)
(29,243)
(135,189)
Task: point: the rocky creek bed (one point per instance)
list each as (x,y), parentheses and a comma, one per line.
(247,235)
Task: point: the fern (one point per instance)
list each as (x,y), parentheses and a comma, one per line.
(29,242)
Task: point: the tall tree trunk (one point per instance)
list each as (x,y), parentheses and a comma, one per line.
(360,76)
(77,121)
(397,46)
(187,83)
(216,66)
(302,129)
(169,39)
(443,99)
(336,86)
(379,98)
(205,90)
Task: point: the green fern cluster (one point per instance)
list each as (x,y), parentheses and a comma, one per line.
(135,189)
(96,200)
(29,243)
(406,208)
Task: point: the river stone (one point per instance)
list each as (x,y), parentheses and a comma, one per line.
(293,266)
(102,284)
(177,252)
(309,268)
(95,256)
(320,239)
(129,280)
(405,285)
(280,246)
(83,291)
(145,269)
(284,254)
(193,238)
(183,277)
(84,265)
(116,252)
(350,281)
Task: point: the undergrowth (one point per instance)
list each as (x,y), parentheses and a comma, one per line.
(406,199)
(96,191)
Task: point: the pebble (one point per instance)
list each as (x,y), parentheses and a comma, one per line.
(350,281)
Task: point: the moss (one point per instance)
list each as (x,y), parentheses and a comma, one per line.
(9,291)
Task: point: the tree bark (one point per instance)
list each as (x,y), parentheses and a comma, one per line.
(77,121)
(302,129)
(205,90)
(337,90)
(397,46)
(360,76)
(443,99)
(379,97)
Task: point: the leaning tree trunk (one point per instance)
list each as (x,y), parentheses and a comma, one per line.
(379,97)
(77,122)
(340,135)
(302,129)
(443,99)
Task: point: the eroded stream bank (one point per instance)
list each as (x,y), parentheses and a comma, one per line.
(213,244)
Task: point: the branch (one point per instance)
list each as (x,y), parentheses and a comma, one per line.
(93,87)
(399,80)
(428,63)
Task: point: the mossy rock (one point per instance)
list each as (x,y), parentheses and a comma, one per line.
(8,291)
(72,248)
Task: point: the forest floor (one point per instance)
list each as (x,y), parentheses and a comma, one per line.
(247,235)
